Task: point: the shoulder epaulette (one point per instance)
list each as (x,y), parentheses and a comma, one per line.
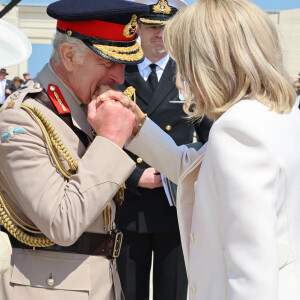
(16,99)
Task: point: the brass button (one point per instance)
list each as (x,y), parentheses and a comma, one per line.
(139,160)
(168,127)
(193,289)
(69,32)
(192,238)
(50,280)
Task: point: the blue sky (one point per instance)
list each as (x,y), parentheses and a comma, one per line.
(264,4)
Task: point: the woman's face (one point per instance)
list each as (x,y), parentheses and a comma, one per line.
(17,84)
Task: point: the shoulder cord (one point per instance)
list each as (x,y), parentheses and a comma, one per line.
(9,218)
(130,93)
(53,140)
(8,221)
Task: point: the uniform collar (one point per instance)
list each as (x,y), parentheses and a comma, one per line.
(74,97)
(161,63)
(48,76)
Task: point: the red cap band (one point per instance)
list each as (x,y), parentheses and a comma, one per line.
(98,29)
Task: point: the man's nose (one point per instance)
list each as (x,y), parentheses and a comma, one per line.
(118,73)
(159,32)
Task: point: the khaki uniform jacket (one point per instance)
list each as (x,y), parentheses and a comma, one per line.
(62,209)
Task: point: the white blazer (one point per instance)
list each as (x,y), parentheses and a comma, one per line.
(239,214)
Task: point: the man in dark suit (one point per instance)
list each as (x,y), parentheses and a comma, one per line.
(147,219)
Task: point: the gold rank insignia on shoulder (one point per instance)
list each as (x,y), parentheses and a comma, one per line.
(131,28)
(162,7)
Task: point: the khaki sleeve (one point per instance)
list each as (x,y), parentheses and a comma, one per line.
(62,209)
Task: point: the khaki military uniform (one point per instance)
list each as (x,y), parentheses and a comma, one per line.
(62,209)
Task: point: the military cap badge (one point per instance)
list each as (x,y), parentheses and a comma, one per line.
(162,7)
(160,11)
(131,28)
(106,27)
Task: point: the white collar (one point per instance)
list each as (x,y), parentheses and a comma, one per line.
(161,63)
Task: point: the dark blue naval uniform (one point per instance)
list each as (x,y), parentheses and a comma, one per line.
(147,220)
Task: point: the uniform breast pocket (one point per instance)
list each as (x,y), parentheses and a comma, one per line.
(38,277)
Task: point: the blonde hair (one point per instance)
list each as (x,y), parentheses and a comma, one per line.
(61,38)
(227,50)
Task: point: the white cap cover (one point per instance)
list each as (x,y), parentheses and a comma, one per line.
(15,47)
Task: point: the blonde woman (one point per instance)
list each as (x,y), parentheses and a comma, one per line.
(238,197)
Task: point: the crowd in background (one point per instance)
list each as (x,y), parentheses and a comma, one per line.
(8,87)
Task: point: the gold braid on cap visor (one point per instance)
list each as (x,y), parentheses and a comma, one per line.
(152,21)
(122,53)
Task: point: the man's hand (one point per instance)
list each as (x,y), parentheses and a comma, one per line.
(126,102)
(111,120)
(117,96)
(150,179)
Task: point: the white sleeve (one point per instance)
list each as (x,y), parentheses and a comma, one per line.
(160,151)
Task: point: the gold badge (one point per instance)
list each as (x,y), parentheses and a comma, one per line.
(162,7)
(131,28)
(11,104)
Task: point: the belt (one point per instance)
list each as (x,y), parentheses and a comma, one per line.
(108,245)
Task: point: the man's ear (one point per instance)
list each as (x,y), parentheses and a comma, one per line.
(67,54)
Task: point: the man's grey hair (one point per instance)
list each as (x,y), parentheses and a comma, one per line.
(60,38)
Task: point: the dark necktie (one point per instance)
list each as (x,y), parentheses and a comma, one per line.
(152,79)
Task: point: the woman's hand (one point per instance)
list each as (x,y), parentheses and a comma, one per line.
(117,96)
(126,102)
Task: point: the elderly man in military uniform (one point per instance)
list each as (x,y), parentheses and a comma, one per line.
(61,163)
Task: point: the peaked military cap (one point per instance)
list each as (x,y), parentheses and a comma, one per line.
(106,27)
(160,10)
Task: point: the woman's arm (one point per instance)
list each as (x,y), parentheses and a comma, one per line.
(151,143)
(159,150)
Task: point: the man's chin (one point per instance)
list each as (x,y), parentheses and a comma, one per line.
(162,51)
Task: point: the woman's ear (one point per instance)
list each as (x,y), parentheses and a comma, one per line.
(67,54)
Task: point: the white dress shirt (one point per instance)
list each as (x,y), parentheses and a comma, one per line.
(145,70)
(2,90)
